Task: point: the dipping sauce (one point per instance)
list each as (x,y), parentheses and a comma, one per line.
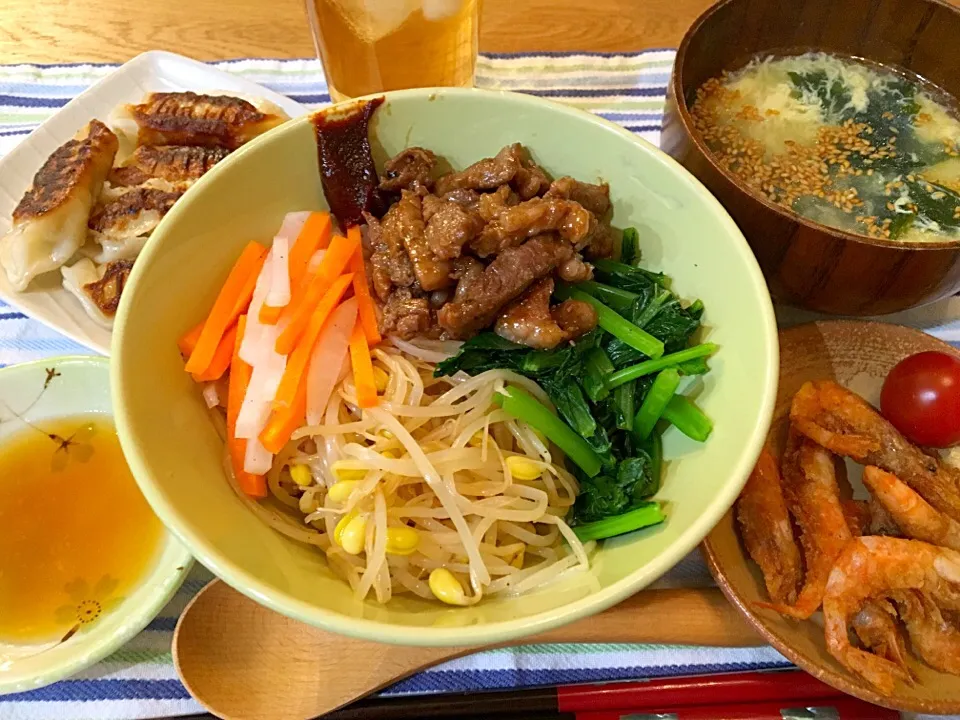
(844,143)
(76,534)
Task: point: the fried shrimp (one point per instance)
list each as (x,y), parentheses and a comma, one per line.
(877,629)
(766,530)
(810,486)
(933,638)
(911,513)
(878,567)
(845,424)
(858,516)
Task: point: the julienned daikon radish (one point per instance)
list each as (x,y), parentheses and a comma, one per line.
(298,360)
(279,294)
(314,234)
(290,228)
(296,315)
(255,328)
(251,484)
(327,360)
(292,225)
(258,459)
(211,395)
(315,260)
(257,349)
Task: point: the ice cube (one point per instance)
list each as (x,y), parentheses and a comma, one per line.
(372,20)
(434,10)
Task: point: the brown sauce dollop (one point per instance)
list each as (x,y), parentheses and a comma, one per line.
(347,170)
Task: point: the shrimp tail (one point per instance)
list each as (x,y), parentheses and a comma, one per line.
(876,628)
(878,671)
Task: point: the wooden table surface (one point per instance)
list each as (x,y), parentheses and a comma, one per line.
(60,31)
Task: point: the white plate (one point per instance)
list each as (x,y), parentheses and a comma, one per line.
(45,300)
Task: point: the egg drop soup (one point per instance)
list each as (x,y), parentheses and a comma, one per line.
(853,146)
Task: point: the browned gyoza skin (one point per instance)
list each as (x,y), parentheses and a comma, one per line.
(106,291)
(187,118)
(113,217)
(77,166)
(847,425)
(177,164)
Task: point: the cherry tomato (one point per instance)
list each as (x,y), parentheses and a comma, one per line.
(921,397)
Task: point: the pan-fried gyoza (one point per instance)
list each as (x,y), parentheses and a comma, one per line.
(98,197)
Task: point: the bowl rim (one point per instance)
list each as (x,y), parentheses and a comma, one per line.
(486,633)
(98,644)
(844,681)
(683,111)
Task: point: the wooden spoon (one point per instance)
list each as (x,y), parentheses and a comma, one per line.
(239,659)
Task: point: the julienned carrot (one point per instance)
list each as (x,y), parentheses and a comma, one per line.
(362,365)
(188,342)
(314,236)
(233,299)
(282,423)
(295,373)
(221,358)
(297,314)
(365,306)
(240,372)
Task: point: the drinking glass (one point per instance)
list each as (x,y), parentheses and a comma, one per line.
(369,46)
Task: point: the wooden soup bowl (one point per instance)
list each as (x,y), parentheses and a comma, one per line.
(806,264)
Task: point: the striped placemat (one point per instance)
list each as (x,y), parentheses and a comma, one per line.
(139,681)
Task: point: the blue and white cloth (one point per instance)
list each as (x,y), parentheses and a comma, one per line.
(139,681)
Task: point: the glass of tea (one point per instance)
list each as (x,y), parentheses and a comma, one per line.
(369,46)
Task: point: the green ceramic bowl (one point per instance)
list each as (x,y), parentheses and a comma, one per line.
(81,387)
(176,454)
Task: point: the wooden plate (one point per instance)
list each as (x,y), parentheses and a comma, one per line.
(858,355)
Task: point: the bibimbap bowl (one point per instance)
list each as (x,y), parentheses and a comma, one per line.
(177,455)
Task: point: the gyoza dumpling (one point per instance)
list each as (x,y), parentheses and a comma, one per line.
(50,223)
(180,165)
(187,118)
(97,287)
(120,224)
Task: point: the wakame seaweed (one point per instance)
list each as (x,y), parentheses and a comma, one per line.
(573,375)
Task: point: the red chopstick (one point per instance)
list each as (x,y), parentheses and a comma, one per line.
(783,688)
(841,708)
(747,687)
